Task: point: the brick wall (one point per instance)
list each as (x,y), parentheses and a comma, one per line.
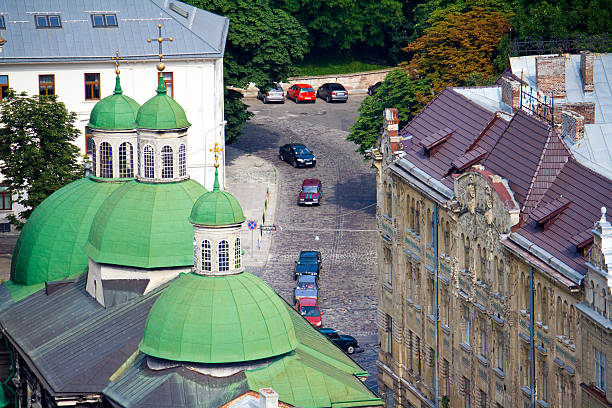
(572,125)
(511,93)
(550,74)
(585,109)
(586,70)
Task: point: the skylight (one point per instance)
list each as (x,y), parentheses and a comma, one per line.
(104,20)
(48,21)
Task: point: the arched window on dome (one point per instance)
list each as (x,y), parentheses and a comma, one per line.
(167,162)
(206,256)
(237,254)
(126,160)
(182,161)
(149,162)
(93,158)
(106,160)
(223,256)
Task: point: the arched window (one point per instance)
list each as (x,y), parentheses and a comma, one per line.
(167,162)
(237,254)
(206,256)
(106,160)
(93,158)
(149,162)
(126,160)
(182,161)
(223,256)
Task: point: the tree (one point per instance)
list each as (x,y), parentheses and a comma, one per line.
(398,90)
(38,156)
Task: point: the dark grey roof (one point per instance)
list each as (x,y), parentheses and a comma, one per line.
(77,344)
(200,35)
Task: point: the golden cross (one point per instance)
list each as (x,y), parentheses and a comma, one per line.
(117,58)
(216,150)
(160,40)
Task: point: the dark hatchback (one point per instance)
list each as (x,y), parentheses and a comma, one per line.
(309,263)
(297,155)
(332,92)
(344,341)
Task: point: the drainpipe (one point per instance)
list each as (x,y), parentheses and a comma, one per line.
(531,335)
(10,377)
(436,310)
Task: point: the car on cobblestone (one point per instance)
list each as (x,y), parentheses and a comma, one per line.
(297,155)
(309,308)
(344,341)
(332,92)
(308,263)
(310,193)
(273,94)
(373,88)
(301,93)
(306,286)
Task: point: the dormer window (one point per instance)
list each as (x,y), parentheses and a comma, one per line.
(48,21)
(104,20)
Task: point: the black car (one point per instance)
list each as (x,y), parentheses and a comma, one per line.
(344,341)
(373,88)
(297,155)
(332,92)
(309,263)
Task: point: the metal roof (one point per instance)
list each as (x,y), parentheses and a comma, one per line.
(199,35)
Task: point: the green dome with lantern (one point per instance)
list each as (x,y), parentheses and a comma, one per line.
(216,208)
(161,112)
(115,112)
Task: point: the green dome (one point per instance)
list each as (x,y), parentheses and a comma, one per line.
(145,225)
(161,112)
(50,245)
(115,112)
(216,208)
(218,319)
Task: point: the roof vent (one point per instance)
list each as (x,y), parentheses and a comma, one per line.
(545,214)
(467,159)
(431,142)
(178,10)
(583,242)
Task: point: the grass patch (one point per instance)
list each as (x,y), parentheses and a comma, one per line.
(314,66)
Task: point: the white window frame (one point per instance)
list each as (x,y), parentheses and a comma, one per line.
(182,160)
(600,370)
(126,160)
(167,162)
(106,160)
(148,155)
(223,256)
(237,254)
(206,255)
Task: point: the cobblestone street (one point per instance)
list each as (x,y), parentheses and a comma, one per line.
(342,227)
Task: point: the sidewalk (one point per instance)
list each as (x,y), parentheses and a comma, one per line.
(248,178)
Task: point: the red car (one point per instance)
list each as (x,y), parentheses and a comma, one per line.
(301,93)
(309,308)
(311,192)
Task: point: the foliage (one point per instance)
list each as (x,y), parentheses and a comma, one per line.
(458,46)
(236,114)
(334,65)
(398,90)
(38,156)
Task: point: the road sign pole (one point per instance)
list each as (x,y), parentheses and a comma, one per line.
(252,242)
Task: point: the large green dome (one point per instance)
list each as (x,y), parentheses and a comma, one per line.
(50,245)
(145,225)
(161,112)
(218,319)
(115,112)
(217,207)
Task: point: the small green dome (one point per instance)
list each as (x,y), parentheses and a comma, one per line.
(216,207)
(218,319)
(145,225)
(50,245)
(161,112)
(115,112)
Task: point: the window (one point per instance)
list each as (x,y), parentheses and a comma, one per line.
(446,375)
(388,202)
(600,370)
(466,384)
(182,161)
(94,170)
(418,353)
(206,256)
(104,20)
(410,280)
(431,294)
(48,21)
(4,85)
(46,84)
(2,23)
(466,325)
(483,399)
(388,266)
(466,255)
(167,162)
(126,160)
(483,264)
(500,350)
(483,336)
(92,86)
(149,162)
(447,240)
(237,254)
(446,300)
(544,389)
(89,144)
(6,202)
(431,224)
(106,160)
(500,277)
(412,215)
(389,334)
(388,397)
(169,83)
(223,256)
(417,219)
(5,227)
(410,347)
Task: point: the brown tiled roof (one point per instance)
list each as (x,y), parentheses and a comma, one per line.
(583,238)
(440,136)
(467,159)
(544,212)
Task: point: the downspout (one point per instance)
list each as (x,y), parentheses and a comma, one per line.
(10,377)
(436,309)
(531,335)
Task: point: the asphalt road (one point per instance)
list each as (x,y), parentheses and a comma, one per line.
(342,227)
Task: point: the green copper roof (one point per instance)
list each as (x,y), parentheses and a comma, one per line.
(115,112)
(218,319)
(50,245)
(216,208)
(161,112)
(145,225)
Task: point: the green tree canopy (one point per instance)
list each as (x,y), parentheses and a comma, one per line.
(38,156)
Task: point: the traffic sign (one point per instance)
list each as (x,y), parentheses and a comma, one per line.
(252,224)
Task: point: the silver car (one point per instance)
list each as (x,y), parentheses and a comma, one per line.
(274,94)
(332,92)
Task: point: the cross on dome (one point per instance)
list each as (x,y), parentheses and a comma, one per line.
(160,40)
(117,58)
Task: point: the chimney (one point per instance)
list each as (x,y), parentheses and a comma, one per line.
(550,74)
(391,127)
(511,93)
(572,126)
(268,398)
(586,70)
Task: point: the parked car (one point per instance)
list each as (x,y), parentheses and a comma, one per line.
(306,286)
(297,155)
(332,92)
(310,193)
(309,263)
(373,88)
(344,341)
(274,94)
(309,308)
(301,93)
